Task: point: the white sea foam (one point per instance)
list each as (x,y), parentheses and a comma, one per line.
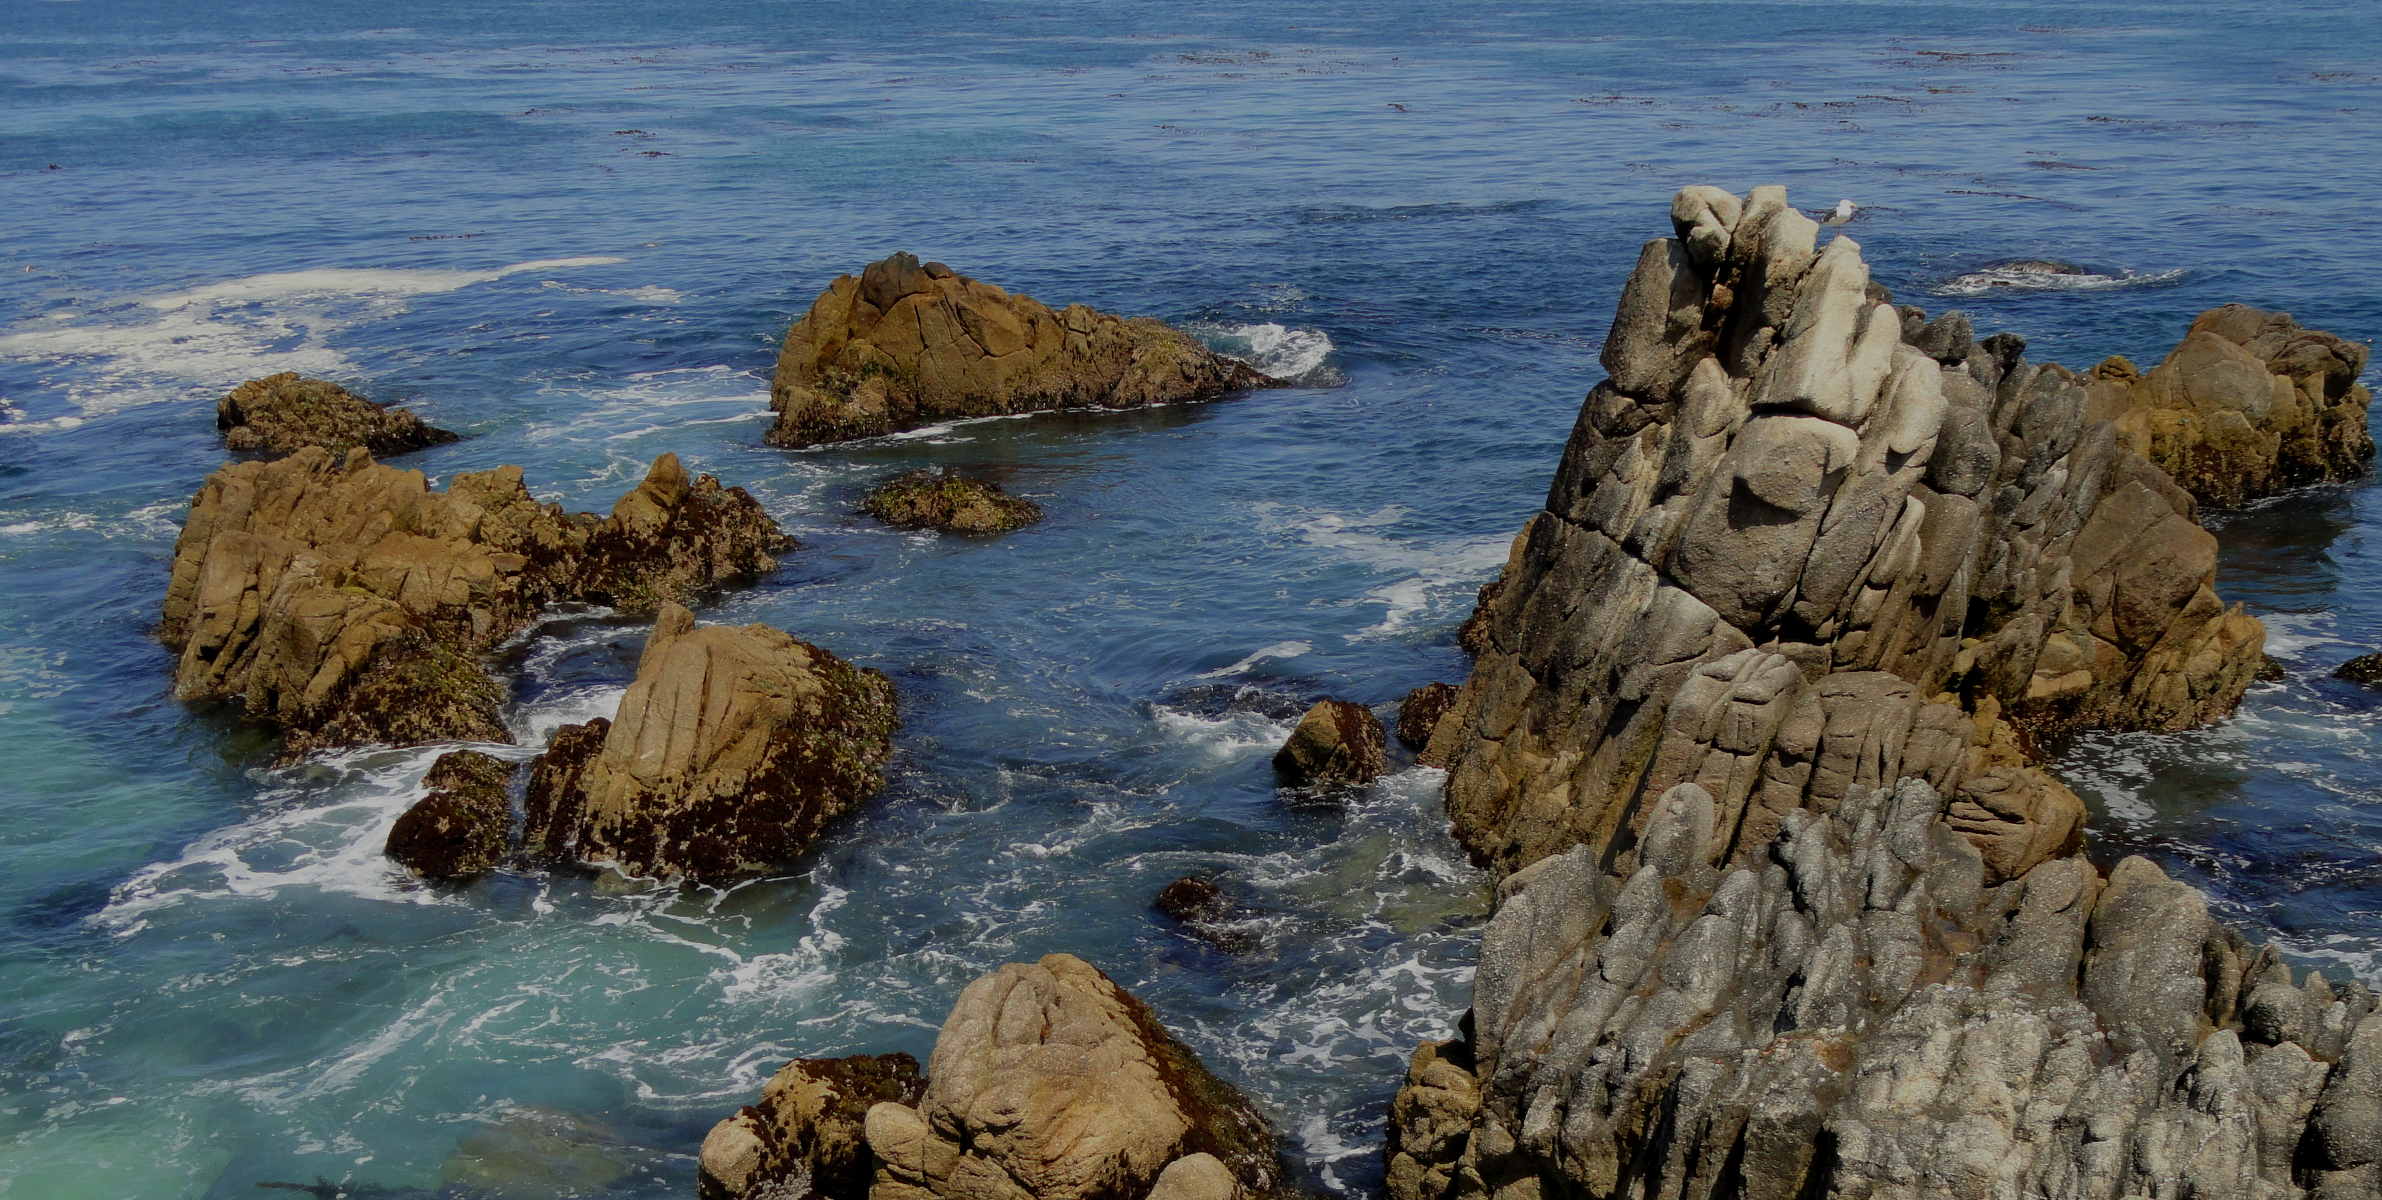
(1294,355)
(1434,579)
(1263,654)
(1230,735)
(213,337)
(2007,278)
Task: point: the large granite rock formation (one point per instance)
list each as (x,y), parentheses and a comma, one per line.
(1857,1011)
(731,750)
(903,345)
(1787,909)
(1048,1082)
(347,602)
(1789,550)
(940,500)
(2247,405)
(278,414)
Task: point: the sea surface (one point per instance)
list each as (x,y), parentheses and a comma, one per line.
(575,230)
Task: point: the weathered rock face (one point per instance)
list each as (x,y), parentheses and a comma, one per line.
(1797,541)
(928,499)
(805,1135)
(2249,404)
(731,750)
(347,602)
(903,345)
(1858,1012)
(1050,1082)
(460,829)
(278,414)
(1337,741)
(1787,910)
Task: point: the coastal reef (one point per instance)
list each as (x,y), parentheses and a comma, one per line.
(732,749)
(345,602)
(1048,1081)
(1786,909)
(2247,405)
(278,414)
(904,344)
(941,500)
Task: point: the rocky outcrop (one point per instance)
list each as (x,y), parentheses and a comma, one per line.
(1800,542)
(903,345)
(806,1135)
(1336,742)
(2365,670)
(1859,1011)
(346,602)
(1419,716)
(2248,405)
(940,500)
(462,828)
(278,414)
(1787,909)
(732,749)
(1048,1082)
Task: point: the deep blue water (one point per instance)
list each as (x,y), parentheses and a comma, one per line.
(574,231)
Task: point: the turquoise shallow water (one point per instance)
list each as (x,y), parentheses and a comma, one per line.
(574,231)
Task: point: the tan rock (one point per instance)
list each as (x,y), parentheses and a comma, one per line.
(929,499)
(346,602)
(1337,741)
(903,345)
(1050,1082)
(730,752)
(280,413)
(805,1134)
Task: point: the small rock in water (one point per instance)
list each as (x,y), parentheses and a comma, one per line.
(930,499)
(1205,912)
(2364,670)
(1338,741)
(1419,714)
(536,1154)
(280,413)
(457,832)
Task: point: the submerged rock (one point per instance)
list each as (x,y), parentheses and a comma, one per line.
(346,602)
(278,414)
(928,499)
(805,1136)
(903,345)
(537,1154)
(1048,1082)
(1787,908)
(1206,912)
(461,828)
(2249,404)
(730,752)
(1337,741)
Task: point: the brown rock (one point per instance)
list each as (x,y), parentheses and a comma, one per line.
(1420,713)
(2364,670)
(458,830)
(1049,1081)
(928,499)
(346,602)
(732,749)
(804,1136)
(1206,912)
(1338,741)
(2249,404)
(280,413)
(903,345)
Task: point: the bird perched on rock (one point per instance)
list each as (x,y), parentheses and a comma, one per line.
(1838,215)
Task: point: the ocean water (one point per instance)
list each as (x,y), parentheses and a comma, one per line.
(573,231)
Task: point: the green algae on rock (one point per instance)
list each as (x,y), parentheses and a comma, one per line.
(930,499)
(460,829)
(903,345)
(278,414)
(730,752)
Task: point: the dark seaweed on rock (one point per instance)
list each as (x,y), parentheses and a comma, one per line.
(278,414)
